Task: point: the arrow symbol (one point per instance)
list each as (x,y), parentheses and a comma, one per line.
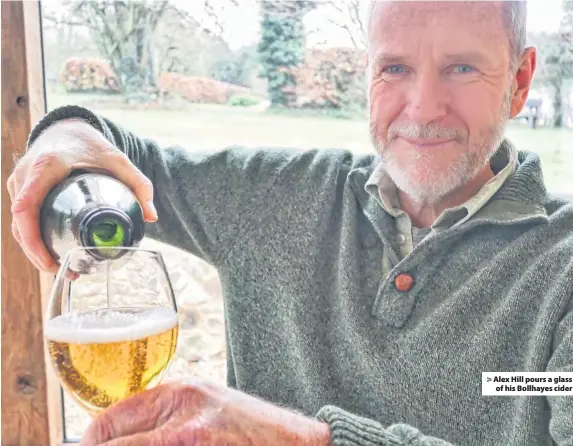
(489,379)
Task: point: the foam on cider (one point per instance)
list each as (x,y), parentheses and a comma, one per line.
(110,325)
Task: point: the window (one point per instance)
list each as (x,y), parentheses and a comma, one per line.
(189,73)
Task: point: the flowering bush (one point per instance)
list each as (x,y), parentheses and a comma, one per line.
(96,75)
(333,78)
(88,75)
(199,89)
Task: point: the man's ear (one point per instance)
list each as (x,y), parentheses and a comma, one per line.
(522,80)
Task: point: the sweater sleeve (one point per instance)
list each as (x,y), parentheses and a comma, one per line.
(561,424)
(204,201)
(348,429)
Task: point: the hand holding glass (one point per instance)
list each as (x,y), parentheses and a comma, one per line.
(111,331)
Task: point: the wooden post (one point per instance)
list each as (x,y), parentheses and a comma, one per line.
(31,404)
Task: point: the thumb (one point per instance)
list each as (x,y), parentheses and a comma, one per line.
(160,436)
(139,413)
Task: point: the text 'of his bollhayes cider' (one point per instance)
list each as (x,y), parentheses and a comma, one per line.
(93,210)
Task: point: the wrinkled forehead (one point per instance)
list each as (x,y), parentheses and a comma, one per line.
(394,20)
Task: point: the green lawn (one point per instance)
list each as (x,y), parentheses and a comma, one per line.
(214,127)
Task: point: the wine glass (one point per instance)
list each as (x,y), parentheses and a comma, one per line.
(111,324)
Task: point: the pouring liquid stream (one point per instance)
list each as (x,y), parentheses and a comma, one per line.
(108,281)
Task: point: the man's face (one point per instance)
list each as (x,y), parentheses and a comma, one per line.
(440,92)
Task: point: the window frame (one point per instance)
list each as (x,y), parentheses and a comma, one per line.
(32,403)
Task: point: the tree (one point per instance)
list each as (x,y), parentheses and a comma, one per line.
(123,33)
(185,43)
(555,66)
(237,68)
(282,46)
(566,36)
(141,38)
(62,40)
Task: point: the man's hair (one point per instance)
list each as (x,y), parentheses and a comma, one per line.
(514,19)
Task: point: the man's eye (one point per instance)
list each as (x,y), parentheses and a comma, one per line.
(394,69)
(463,69)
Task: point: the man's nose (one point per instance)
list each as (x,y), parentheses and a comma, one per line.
(427,100)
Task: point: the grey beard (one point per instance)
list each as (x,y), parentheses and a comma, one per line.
(465,168)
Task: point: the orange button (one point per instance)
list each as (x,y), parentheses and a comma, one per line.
(404,282)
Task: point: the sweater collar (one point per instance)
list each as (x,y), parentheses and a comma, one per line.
(522,195)
(503,163)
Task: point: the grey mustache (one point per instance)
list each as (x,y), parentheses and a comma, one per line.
(430,131)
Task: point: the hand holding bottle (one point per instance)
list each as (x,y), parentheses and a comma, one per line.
(66,145)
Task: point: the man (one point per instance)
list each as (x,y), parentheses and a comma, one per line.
(364,295)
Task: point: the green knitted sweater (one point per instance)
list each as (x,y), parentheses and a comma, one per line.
(313,325)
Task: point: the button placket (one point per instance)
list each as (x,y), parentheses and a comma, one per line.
(396,298)
(398,292)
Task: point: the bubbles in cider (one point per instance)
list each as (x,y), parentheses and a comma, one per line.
(107,355)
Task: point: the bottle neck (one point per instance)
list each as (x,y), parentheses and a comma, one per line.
(106,227)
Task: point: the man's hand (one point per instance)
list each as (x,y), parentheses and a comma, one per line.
(64,146)
(201,414)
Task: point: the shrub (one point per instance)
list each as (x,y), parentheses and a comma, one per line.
(244,101)
(88,75)
(193,89)
(199,89)
(332,79)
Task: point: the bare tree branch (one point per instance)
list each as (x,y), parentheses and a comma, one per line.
(357,18)
(211,13)
(58,21)
(349,19)
(345,27)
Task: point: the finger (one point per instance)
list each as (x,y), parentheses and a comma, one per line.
(47,171)
(11,187)
(15,232)
(25,208)
(193,430)
(36,263)
(15,182)
(156,437)
(47,265)
(139,413)
(126,172)
(53,269)
(31,257)
(12,182)
(28,224)
(19,178)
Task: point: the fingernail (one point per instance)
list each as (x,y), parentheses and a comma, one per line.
(70,275)
(152,209)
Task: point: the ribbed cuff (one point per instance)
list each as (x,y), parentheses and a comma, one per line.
(66,112)
(348,429)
